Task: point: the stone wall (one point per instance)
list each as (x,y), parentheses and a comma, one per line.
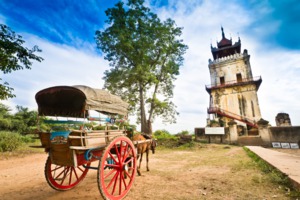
(290,134)
(267,135)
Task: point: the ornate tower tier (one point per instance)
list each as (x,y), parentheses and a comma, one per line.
(233,89)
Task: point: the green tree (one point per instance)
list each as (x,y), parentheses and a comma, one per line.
(4,111)
(5,117)
(145,54)
(13,56)
(24,120)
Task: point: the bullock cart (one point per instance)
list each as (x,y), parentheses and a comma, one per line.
(72,145)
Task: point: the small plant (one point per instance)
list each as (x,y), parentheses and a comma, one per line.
(214,123)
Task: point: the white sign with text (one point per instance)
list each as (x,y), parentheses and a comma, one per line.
(214,131)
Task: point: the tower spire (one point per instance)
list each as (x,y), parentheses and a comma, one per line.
(225,47)
(223,35)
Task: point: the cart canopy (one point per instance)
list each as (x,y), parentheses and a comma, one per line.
(75,101)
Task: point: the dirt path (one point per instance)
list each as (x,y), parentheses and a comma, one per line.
(215,172)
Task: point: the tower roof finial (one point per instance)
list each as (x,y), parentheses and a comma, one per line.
(223,35)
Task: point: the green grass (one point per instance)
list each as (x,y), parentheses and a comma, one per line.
(274,175)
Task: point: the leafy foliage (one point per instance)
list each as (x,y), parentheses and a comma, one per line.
(9,141)
(162,134)
(145,55)
(23,121)
(13,57)
(184,133)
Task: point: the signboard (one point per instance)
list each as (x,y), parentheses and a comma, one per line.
(285,145)
(294,146)
(276,145)
(214,131)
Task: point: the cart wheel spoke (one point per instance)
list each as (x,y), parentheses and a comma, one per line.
(64,177)
(112,157)
(57,168)
(70,177)
(125,152)
(115,183)
(75,173)
(127,176)
(117,152)
(123,180)
(117,168)
(110,173)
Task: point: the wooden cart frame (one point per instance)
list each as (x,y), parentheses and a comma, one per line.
(71,152)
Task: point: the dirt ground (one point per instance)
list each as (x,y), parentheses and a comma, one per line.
(208,172)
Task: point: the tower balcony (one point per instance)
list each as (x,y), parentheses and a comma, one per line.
(246,81)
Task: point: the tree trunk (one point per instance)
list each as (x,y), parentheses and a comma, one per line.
(144,126)
(149,126)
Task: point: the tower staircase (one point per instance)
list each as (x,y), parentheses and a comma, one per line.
(225,113)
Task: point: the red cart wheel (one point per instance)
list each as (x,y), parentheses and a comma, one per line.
(117,168)
(64,177)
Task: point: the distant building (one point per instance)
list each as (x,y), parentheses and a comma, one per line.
(233,89)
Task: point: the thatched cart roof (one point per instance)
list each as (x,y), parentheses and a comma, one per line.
(75,101)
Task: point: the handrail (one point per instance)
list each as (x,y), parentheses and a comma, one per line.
(231,115)
(234,82)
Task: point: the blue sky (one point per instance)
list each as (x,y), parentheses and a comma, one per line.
(65,30)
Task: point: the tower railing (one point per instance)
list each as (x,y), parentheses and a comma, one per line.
(234,82)
(232,115)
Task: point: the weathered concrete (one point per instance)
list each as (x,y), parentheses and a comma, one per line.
(233,134)
(285,134)
(250,140)
(288,164)
(264,132)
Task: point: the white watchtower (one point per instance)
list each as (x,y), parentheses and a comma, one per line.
(233,89)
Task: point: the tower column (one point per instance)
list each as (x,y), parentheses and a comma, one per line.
(233,134)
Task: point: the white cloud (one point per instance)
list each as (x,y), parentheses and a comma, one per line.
(279,68)
(280,89)
(62,65)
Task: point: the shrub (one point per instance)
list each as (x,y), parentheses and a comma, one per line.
(27,138)
(168,142)
(5,124)
(187,145)
(183,133)
(9,141)
(163,134)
